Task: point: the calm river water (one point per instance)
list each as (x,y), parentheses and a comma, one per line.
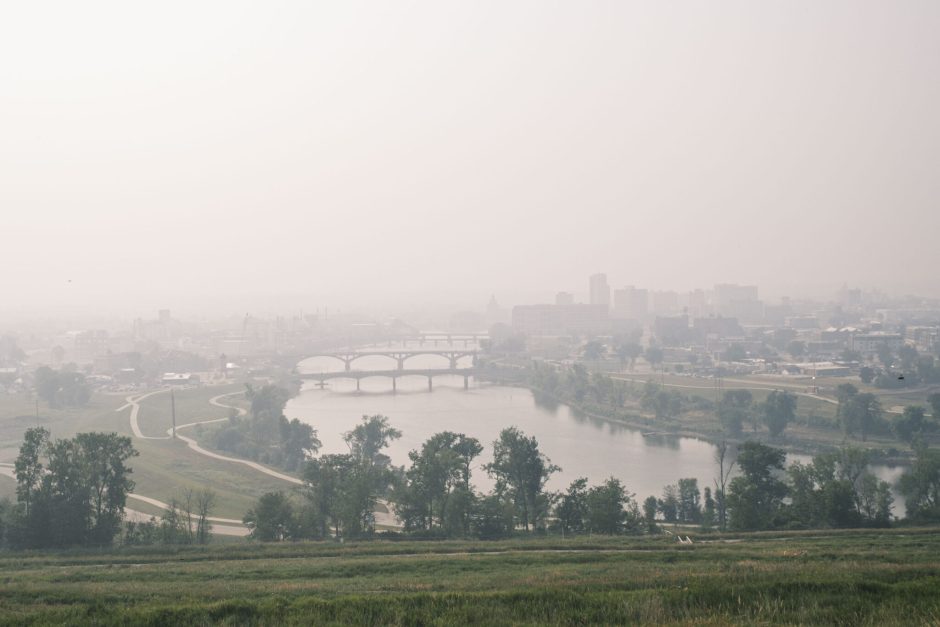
(581,446)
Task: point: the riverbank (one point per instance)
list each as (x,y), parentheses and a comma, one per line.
(650,426)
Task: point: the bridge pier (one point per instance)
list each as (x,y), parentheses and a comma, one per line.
(453,363)
(358,380)
(430,388)
(466,382)
(394,384)
(401,363)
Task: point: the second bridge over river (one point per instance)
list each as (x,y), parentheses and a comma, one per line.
(453,356)
(394,375)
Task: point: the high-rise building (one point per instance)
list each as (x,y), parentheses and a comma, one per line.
(631,303)
(600,290)
(564,298)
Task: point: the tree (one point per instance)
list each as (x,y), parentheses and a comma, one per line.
(690,507)
(438,481)
(726,462)
(796,349)
(205,502)
(708,510)
(654,355)
(669,504)
(271,519)
(735,352)
(72,491)
(755,498)
(28,467)
(921,486)
(367,440)
(861,414)
(911,425)
(593,350)
(934,400)
(866,374)
(298,442)
(572,508)
(106,475)
(734,409)
(328,491)
(611,509)
(778,411)
(61,387)
(650,507)
(628,350)
(520,471)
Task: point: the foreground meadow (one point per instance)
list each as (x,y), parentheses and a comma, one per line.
(845,578)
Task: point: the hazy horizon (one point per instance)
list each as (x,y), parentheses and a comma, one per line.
(206,157)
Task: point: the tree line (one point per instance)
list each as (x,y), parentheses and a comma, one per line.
(434,496)
(70,492)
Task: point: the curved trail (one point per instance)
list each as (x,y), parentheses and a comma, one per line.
(134,403)
(387,519)
(191,443)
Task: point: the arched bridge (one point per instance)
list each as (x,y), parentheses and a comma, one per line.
(400,356)
(359,375)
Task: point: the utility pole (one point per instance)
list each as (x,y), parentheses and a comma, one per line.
(173,407)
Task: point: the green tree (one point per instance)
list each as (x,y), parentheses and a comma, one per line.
(439,471)
(911,425)
(611,509)
(654,355)
(756,497)
(104,459)
(735,352)
(921,486)
(572,508)
(271,519)
(934,400)
(709,510)
(650,507)
(593,350)
(778,411)
(669,504)
(328,492)
(796,349)
(369,438)
(520,471)
(72,491)
(28,466)
(690,505)
(866,374)
(734,409)
(628,351)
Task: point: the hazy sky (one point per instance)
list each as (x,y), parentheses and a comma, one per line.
(207,154)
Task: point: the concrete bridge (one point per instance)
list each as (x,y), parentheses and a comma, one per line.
(435,338)
(322,377)
(347,357)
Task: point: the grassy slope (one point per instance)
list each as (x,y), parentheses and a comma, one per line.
(843,578)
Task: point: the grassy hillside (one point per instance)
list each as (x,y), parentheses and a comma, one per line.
(814,578)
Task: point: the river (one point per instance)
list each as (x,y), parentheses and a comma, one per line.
(580,445)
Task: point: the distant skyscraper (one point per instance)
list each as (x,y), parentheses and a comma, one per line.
(564,298)
(600,290)
(631,303)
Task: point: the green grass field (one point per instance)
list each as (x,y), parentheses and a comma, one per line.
(164,468)
(848,578)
